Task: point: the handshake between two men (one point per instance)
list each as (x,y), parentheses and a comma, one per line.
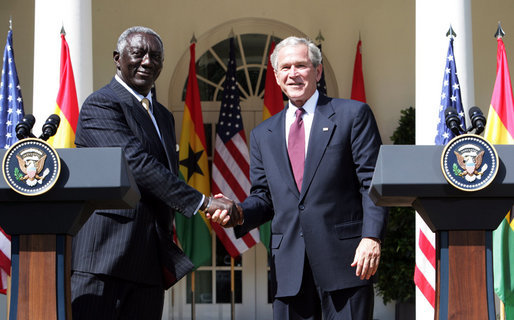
(222,210)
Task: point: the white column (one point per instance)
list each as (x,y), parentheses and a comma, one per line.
(50,16)
(433,19)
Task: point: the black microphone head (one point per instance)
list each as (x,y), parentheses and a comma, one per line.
(30,119)
(54,119)
(449,112)
(473,111)
(477,119)
(452,120)
(24,127)
(50,126)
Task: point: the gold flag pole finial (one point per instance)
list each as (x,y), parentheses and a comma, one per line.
(193,39)
(451,33)
(499,32)
(320,38)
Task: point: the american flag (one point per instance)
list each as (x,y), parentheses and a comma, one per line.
(231,163)
(450,97)
(425,273)
(11,112)
(11,103)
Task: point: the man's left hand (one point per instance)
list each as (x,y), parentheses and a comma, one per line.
(367,258)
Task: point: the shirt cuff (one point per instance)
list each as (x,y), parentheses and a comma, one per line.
(200,204)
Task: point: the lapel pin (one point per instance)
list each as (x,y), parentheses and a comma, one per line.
(325,129)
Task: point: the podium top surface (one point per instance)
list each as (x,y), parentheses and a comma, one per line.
(100,176)
(404,173)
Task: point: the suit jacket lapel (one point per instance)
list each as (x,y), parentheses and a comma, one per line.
(131,108)
(321,131)
(169,140)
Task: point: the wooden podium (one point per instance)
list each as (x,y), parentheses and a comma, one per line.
(463,222)
(41,227)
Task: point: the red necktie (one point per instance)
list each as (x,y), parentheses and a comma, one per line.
(296,147)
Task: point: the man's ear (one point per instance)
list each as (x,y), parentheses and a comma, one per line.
(116,58)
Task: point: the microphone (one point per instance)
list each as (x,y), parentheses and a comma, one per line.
(451,117)
(24,126)
(477,119)
(50,126)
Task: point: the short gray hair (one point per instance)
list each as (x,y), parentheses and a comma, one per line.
(122,40)
(314,51)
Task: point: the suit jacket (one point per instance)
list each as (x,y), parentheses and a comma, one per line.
(333,211)
(134,244)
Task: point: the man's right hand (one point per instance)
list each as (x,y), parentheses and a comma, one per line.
(224,211)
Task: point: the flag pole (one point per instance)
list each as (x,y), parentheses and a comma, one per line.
(232,291)
(172,303)
(193,296)
(499,34)
(8,292)
(193,316)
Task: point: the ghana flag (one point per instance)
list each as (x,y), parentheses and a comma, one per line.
(273,104)
(500,130)
(194,234)
(67,107)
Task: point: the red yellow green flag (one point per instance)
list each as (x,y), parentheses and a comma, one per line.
(194,234)
(273,104)
(500,130)
(358,92)
(67,106)
(273,101)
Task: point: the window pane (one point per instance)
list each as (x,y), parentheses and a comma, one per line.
(223,258)
(206,91)
(254,76)
(203,287)
(223,294)
(209,68)
(241,80)
(253,45)
(222,49)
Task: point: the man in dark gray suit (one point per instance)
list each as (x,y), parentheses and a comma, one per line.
(311,167)
(123,260)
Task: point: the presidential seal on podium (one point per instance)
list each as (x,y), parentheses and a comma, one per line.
(31,166)
(469,162)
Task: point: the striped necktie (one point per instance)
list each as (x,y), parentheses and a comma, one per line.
(146,104)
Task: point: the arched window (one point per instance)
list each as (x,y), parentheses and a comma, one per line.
(251,60)
(253,38)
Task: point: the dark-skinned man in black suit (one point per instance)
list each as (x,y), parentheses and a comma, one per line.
(123,260)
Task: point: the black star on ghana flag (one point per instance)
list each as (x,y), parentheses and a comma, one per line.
(191,163)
